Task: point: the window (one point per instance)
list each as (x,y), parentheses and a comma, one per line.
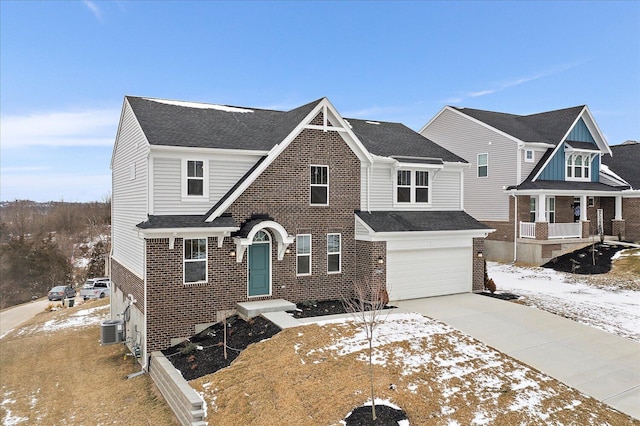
(195,178)
(303,254)
(320,185)
(195,260)
(590,201)
(578,166)
(412,186)
(528,156)
(551,209)
(333,253)
(483,165)
(532,210)
(422,187)
(404,186)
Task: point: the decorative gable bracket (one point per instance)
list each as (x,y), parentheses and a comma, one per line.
(283,239)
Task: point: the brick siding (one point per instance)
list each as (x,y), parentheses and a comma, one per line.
(282,192)
(127,283)
(631,216)
(478,265)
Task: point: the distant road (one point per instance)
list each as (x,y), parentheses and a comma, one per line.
(11,318)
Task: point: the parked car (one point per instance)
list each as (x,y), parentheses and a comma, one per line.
(60,292)
(99,290)
(91,282)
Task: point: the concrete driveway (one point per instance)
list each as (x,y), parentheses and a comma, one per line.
(597,363)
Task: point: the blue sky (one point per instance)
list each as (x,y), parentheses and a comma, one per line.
(66,66)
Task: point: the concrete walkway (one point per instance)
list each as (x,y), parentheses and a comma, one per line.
(597,363)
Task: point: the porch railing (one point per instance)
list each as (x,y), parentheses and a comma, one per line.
(565,230)
(527,230)
(556,230)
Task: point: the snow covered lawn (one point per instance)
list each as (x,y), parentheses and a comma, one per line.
(317,374)
(598,301)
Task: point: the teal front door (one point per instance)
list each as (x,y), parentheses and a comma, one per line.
(259,273)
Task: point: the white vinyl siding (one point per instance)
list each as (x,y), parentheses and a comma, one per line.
(484,198)
(129,193)
(224,172)
(444,190)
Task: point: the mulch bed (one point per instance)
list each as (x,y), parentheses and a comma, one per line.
(385,416)
(318,309)
(194,362)
(582,261)
(500,295)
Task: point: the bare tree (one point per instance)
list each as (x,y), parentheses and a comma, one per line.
(369,299)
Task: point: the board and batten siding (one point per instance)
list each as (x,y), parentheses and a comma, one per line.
(129,193)
(484,198)
(445,190)
(224,171)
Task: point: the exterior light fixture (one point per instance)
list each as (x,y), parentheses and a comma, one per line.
(479,254)
(232,253)
(287,251)
(380,260)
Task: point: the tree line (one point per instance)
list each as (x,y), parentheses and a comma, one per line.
(41,244)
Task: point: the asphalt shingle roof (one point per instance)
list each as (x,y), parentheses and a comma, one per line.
(186,221)
(625,162)
(397,140)
(399,221)
(175,125)
(567,185)
(549,127)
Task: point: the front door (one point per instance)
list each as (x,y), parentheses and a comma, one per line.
(259,269)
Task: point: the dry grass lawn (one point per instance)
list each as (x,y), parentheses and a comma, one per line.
(315,375)
(62,376)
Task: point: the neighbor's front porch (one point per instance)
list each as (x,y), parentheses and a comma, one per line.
(553,217)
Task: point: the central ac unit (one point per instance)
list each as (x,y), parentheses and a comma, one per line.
(111,332)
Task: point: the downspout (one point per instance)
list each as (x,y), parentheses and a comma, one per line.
(369,188)
(515,227)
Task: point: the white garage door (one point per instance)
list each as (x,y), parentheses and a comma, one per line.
(423,272)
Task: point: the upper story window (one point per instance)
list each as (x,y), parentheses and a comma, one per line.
(195,260)
(578,166)
(412,186)
(303,254)
(483,165)
(195,183)
(528,156)
(320,185)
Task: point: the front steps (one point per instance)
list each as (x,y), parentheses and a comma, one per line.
(248,310)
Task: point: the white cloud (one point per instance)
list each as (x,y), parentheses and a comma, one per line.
(83,128)
(94,9)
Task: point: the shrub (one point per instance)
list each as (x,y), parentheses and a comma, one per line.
(490,285)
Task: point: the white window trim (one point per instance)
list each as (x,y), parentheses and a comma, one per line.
(548,210)
(586,166)
(526,156)
(339,253)
(478,165)
(206,262)
(412,187)
(533,208)
(185,181)
(304,254)
(311,185)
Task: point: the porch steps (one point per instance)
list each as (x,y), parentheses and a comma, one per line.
(248,310)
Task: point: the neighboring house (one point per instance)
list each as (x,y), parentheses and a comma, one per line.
(624,163)
(545,167)
(214,205)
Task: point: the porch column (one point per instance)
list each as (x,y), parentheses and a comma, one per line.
(618,211)
(583,208)
(541,214)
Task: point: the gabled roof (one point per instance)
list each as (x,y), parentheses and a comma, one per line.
(548,127)
(420,221)
(199,125)
(624,162)
(397,140)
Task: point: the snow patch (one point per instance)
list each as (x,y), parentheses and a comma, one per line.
(200,105)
